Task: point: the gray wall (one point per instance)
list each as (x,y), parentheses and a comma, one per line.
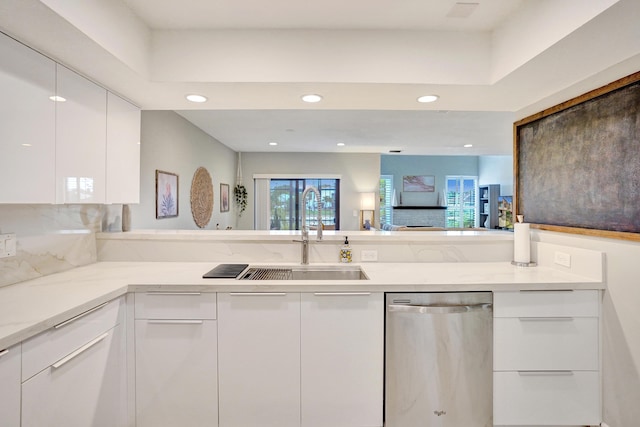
(171,143)
(360,173)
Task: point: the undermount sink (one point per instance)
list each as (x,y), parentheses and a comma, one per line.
(305,273)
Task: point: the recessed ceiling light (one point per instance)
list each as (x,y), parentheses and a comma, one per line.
(468,145)
(311,98)
(340,144)
(196,98)
(26,145)
(428,98)
(273,143)
(56,98)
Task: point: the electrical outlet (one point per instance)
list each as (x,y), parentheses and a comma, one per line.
(562,258)
(7,245)
(371,255)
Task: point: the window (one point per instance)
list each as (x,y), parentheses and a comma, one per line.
(386,202)
(284,198)
(461,201)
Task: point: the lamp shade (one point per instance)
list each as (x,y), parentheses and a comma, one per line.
(367,201)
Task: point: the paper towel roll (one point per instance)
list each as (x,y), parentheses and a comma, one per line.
(521,243)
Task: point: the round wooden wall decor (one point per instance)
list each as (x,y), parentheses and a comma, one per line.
(201,197)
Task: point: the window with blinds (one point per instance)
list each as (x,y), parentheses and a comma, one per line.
(462,198)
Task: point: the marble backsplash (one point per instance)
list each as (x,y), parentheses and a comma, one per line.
(53,238)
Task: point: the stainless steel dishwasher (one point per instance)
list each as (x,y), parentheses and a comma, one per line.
(438,360)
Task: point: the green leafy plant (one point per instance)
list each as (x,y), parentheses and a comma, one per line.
(240,194)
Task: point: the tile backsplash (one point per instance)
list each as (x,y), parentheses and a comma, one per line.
(52,238)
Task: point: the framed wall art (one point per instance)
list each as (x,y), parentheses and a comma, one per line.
(577,165)
(224,197)
(166,194)
(424,183)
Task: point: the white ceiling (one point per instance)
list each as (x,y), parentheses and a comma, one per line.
(369,59)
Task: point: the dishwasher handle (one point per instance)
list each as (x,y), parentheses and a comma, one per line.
(438,308)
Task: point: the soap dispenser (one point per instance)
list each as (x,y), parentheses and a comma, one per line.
(345,251)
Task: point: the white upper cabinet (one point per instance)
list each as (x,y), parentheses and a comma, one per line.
(81,129)
(123,151)
(27,130)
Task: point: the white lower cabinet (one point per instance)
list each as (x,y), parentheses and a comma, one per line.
(311,359)
(10,366)
(547,358)
(176,359)
(342,354)
(84,388)
(259,359)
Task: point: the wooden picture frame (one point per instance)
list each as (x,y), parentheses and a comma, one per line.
(224,197)
(577,165)
(166,195)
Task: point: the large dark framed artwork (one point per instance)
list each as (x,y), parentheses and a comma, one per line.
(166,194)
(577,165)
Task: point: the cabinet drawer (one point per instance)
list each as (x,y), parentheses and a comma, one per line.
(583,303)
(52,345)
(539,343)
(546,398)
(175,305)
(10,386)
(83,389)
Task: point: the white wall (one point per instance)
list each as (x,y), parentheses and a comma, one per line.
(171,143)
(621,325)
(497,170)
(359,172)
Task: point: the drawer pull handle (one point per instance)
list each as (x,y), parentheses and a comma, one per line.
(176,322)
(3,352)
(79,351)
(173,293)
(545,373)
(79,316)
(546,319)
(349,294)
(251,294)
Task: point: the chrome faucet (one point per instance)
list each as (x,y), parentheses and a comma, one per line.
(303,226)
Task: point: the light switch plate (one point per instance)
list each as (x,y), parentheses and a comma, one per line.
(7,245)
(562,258)
(371,255)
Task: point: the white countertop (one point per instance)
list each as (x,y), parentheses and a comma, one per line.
(33,306)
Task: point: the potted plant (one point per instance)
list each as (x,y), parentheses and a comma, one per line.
(240,193)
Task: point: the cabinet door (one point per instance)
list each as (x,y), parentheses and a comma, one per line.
(81,129)
(176,379)
(123,151)
(85,388)
(27,134)
(259,359)
(342,359)
(10,386)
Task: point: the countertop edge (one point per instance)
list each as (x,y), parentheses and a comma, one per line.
(91,285)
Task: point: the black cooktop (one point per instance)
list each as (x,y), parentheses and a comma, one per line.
(225,271)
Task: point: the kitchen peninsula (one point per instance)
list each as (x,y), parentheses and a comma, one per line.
(149,284)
